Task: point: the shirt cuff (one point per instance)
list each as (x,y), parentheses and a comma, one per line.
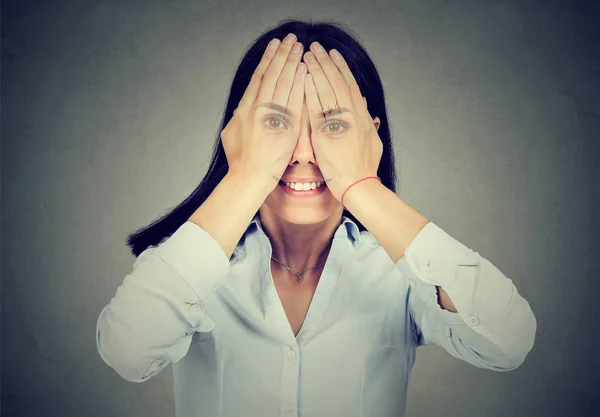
(434,255)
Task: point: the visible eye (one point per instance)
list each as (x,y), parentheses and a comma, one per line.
(334,126)
(275,123)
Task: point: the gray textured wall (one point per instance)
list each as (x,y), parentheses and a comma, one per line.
(109,111)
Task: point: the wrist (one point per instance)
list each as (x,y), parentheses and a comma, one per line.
(260,184)
(356,184)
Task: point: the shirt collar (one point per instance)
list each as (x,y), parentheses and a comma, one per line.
(346,230)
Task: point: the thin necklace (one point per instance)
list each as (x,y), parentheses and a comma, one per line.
(298,274)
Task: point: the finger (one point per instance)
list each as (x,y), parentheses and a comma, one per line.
(294,104)
(332,73)
(324,91)
(286,79)
(251,92)
(315,111)
(267,88)
(351,83)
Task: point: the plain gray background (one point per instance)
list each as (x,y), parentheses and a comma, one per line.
(110,109)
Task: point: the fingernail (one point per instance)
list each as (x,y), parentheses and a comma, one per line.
(273,44)
(309,57)
(317,47)
(289,39)
(297,48)
(336,55)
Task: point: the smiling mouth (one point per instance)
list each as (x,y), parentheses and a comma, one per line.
(317,185)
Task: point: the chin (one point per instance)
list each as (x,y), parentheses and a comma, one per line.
(297,217)
(311,210)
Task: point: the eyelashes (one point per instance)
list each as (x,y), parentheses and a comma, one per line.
(279,123)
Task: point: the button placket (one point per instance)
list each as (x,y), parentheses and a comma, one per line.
(289,380)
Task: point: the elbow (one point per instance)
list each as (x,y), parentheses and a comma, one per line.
(501,363)
(121,366)
(512,351)
(129,364)
(124,358)
(487,355)
(117,359)
(522,336)
(504,351)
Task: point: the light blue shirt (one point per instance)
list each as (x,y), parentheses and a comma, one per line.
(221,324)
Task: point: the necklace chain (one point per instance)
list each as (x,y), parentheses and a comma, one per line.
(298,274)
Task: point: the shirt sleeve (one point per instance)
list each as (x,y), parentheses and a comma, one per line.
(150,321)
(494,326)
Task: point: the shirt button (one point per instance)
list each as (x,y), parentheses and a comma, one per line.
(424,270)
(474,320)
(412,283)
(291,355)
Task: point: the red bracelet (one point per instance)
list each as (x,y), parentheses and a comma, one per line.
(356,182)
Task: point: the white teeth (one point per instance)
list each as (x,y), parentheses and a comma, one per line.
(305,186)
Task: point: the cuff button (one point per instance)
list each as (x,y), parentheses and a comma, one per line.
(474,321)
(424,270)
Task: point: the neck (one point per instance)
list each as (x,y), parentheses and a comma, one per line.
(299,246)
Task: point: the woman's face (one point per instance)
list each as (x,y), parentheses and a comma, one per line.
(303,207)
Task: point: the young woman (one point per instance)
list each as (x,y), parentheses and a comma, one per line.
(294,281)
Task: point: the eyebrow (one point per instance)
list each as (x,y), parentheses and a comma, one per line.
(278,108)
(286,112)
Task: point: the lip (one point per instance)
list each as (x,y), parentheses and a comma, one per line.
(303,180)
(303,194)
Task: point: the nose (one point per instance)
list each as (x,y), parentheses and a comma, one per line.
(304,153)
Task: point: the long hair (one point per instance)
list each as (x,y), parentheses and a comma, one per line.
(330,35)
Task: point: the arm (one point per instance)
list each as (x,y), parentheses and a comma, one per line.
(156,310)
(493,327)
(486,322)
